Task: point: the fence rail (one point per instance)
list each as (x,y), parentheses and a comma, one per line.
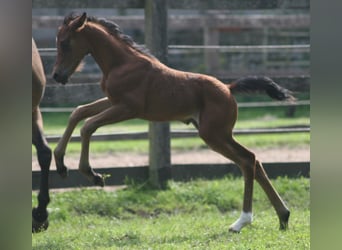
(193,4)
(240,105)
(179,134)
(182,22)
(223,48)
(185,172)
(190,133)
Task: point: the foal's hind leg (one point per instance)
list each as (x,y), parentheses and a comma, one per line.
(277,202)
(228,147)
(40,214)
(80,113)
(251,169)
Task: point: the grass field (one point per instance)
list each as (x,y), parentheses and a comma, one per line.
(193,215)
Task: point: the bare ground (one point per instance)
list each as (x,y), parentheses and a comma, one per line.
(124,159)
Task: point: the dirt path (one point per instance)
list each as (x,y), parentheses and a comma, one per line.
(282,154)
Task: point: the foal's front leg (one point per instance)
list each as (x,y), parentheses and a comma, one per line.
(111,115)
(80,113)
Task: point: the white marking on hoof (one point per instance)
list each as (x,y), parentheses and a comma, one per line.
(244,220)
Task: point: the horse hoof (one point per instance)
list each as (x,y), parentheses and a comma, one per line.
(245,219)
(40,221)
(232,230)
(39,226)
(284,221)
(99,180)
(63,172)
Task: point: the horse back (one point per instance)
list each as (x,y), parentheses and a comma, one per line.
(180,94)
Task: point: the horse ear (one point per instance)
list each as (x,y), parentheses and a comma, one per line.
(79,22)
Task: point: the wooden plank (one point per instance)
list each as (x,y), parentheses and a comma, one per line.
(182,22)
(185,4)
(125,22)
(76,179)
(178,134)
(222,48)
(240,105)
(189,172)
(71,95)
(87,4)
(301,76)
(180,172)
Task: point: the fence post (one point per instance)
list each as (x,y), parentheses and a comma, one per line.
(211,37)
(159,132)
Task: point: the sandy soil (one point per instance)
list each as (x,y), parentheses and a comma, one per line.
(182,157)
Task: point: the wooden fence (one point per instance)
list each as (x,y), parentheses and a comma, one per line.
(180,134)
(179,172)
(212,25)
(84,88)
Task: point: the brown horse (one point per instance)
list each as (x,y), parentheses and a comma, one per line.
(40,214)
(137,85)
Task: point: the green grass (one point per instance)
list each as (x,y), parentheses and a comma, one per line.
(194,215)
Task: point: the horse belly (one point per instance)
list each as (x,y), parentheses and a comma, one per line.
(167,109)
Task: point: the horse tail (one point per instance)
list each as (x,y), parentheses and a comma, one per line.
(255,84)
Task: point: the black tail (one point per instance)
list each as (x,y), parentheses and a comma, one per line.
(253,84)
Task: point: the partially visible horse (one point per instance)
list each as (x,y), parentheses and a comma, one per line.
(137,85)
(40,214)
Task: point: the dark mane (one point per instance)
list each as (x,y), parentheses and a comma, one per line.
(112,29)
(71,16)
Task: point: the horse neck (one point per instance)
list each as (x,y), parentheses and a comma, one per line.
(107,50)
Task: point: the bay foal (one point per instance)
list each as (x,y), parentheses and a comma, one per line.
(137,85)
(40,214)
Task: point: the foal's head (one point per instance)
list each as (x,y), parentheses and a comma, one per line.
(71,47)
